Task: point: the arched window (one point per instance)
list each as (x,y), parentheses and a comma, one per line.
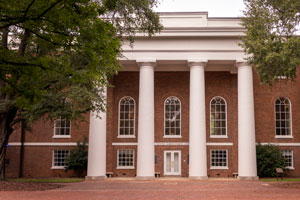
(126,117)
(218,117)
(283,116)
(172,117)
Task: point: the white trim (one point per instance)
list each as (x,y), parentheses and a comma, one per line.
(171,143)
(57,167)
(61,136)
(218,136)
(119,111)
(291,119)
(219,167)
(219,144)
(172,136)
(43,144)
(282,144)
(172,160)
(125,167)
(126,136)
(283,136)
(124,144)
(133,144)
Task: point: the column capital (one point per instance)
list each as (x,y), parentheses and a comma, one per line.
(146,62)
(242,63)
(197,62)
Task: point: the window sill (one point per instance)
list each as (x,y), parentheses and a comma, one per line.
(172,136)
(283,137)
(219,168)
(126,136)
(57,167)
(125,167)
(218,136)
(290,168)
(61,136)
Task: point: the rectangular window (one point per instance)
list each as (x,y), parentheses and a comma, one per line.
(125,159)
(288,155)
(59,157)
(62,128)
(218,159)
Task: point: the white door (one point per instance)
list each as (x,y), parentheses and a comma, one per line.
(172,163)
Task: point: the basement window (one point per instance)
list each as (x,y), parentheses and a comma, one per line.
(59,159)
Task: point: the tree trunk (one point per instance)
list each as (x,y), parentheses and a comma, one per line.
(6,120)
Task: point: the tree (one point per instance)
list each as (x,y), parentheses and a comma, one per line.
(269,157)
(270,41)
(77,160)
(56,56)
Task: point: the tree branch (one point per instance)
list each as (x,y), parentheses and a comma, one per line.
(27,9)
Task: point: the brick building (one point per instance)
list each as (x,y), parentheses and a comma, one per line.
(185,103)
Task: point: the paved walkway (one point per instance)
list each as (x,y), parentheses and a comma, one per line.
(111,189)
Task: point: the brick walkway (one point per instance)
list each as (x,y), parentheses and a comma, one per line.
(161,189)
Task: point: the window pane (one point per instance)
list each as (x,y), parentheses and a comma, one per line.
(127,116)
(217,116)
(172,116)
(282,116)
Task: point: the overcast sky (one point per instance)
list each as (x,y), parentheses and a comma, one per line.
(215,8)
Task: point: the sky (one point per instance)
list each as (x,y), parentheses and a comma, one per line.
(215,8)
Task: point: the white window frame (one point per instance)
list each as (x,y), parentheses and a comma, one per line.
(134,118)
(53,158)
(218,136)
(133,162)
(61,136)
(219,167)
(172,136)
(291,129)
(292,154)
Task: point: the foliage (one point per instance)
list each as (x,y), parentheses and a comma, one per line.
(77,160)
(280,180)
(56,56)
(269,157)
(270,40)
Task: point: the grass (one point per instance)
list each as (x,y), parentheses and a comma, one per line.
(46,180)
(279,180)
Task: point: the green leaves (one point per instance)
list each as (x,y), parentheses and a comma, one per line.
(60,54)
(270,42)
(269,157)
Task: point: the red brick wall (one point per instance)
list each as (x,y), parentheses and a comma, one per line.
(38,160)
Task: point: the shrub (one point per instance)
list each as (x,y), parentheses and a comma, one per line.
(269,157)
(77,160)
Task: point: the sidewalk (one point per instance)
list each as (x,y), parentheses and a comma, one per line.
(179,188)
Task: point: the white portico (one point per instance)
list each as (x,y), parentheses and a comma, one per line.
(195,43)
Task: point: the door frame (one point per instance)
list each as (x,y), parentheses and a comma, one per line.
(172,160)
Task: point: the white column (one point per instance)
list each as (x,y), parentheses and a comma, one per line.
(97,147)
(197,147)
(145,153)
(246,124)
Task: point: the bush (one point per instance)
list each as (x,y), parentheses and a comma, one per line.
(269,157)
(77,160)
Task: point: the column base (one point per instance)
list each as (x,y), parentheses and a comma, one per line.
(95,178)
(198,177)
(247,178)
(144,178)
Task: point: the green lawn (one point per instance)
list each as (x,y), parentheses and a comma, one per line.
(279,180)
(46,180)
